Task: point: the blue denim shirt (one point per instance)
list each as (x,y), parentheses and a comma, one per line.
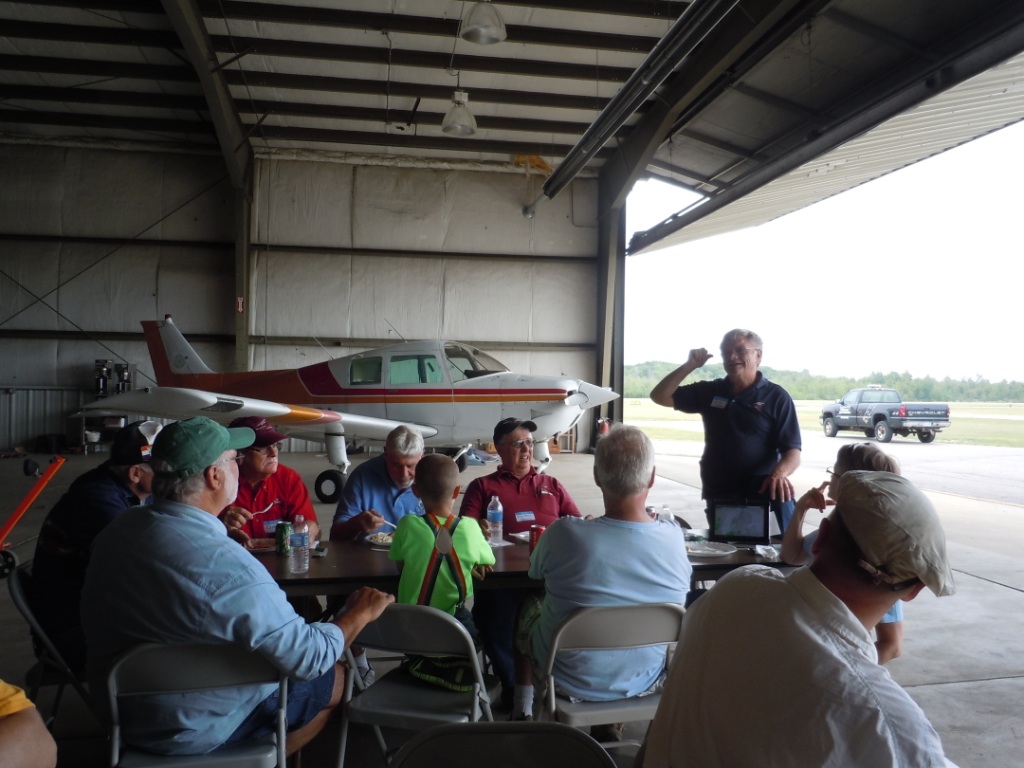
(168,573)
(371,487)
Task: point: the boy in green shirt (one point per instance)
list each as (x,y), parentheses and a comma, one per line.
(438,556)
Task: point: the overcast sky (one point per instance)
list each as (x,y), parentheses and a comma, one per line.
(920,271)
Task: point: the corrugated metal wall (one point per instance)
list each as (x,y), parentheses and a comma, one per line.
(28,413)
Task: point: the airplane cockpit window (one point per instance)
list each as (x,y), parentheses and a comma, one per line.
(365,370)
(414,369)
(468,363)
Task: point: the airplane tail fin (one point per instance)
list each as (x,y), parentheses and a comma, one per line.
(171,354)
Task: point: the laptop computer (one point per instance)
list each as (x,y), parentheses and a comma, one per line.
(741,521)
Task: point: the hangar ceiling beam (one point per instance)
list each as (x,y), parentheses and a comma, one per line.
(720,51)
(416,25)
(994,39)
(188,23)
(699,20)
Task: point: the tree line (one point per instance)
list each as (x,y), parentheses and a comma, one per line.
(802,385)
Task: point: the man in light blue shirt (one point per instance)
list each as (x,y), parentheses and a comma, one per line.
(380,489)
(622,558)
(168,573)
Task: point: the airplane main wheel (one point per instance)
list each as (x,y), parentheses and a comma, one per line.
(329,485)
(462,462)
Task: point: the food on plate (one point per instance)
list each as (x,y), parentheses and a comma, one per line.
(381,538)
(261,544)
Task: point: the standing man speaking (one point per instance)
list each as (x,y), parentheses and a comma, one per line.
(751,434)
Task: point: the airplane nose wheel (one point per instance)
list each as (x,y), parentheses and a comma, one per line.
(8,562)
(329,485)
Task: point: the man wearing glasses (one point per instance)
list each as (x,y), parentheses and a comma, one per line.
(528,498)
(268,491)
(751,433)
(166,573)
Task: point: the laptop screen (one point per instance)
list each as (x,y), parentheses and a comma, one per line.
(740,521)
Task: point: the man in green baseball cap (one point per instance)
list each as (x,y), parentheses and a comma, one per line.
(169,573)
(186,448)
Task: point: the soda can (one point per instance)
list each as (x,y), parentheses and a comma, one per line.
(535,532)
(283,532)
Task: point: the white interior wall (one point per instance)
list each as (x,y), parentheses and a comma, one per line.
(469,265)
(485,273)
(110,284)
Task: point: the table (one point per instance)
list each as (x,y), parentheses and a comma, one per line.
(348,565)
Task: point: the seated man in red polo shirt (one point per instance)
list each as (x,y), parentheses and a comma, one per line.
(528,498)
(268,491)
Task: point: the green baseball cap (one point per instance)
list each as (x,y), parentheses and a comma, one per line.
(190,446)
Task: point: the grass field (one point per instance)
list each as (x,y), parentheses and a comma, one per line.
(999,424)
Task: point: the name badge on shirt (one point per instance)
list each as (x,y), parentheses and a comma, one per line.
(719,402)
(525,517)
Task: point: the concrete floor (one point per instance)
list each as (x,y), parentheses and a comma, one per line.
(963,660)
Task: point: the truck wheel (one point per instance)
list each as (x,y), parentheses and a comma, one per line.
(926,435)
(869,433)
(829,426)
(329,485)
(883,432)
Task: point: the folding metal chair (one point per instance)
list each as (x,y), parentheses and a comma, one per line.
(50,667)
(610,628)
(502,745)
(399,700)
(151,668)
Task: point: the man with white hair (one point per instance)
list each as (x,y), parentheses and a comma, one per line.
(782,670)
(380,489)
(623,558)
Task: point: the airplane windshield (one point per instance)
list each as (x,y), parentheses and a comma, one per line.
(468,363)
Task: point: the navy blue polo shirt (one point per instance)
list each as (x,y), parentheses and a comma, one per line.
(745,435)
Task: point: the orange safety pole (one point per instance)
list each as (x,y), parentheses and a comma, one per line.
(29,499)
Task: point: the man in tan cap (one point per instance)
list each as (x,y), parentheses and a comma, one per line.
(783,671)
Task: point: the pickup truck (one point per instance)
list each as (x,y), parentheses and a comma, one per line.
(881,413)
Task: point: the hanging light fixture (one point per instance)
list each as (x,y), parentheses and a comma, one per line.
(483,25)
(459,121)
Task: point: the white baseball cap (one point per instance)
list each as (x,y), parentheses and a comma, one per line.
(896,529)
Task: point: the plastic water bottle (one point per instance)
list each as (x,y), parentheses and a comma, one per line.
(495,516)
(299,562)
(666,516)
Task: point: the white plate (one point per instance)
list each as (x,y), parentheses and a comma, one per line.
(380,539)
(708,549)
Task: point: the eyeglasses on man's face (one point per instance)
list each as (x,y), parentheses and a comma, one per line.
(518,445)
(728,352)
(267,450)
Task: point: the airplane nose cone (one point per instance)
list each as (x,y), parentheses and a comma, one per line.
(590,396)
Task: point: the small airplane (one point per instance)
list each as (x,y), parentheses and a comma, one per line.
(452,393)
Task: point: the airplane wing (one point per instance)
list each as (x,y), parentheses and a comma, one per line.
(298,421)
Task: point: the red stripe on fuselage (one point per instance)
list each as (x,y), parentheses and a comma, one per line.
(287,387)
